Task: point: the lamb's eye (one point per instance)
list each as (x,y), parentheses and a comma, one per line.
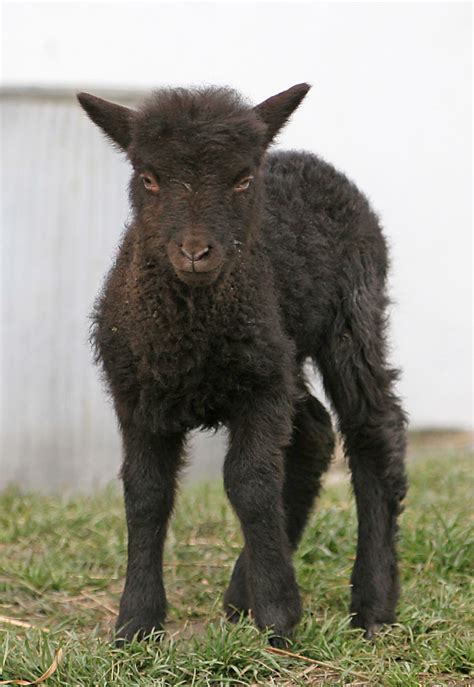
(150,182)
(243,184)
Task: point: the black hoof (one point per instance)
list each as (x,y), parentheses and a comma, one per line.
(134,630)
(372,631)
(370,626)
(278,642)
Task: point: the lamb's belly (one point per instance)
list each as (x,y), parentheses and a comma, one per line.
(199,387)
(207,402)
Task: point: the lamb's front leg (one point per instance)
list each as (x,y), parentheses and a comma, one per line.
(149,472)
(253,479)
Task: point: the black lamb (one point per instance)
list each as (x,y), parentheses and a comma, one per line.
(238,266)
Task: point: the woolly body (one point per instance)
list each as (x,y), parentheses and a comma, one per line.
(238,266)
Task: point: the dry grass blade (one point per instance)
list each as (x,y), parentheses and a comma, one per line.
(99,603)
(52,669)
(20,623)
(321,664)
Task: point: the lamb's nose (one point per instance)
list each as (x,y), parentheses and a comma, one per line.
(195,255)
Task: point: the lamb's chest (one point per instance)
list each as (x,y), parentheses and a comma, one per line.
(195,383)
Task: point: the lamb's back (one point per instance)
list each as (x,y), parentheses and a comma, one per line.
(321,236)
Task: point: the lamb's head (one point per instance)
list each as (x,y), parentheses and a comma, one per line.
(196,188)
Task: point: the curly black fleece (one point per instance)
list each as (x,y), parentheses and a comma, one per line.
(301,265)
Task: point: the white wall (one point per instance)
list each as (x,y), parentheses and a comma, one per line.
(64,204)
(390,106)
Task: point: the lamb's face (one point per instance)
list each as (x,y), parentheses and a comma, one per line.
(196,185)
(195,192)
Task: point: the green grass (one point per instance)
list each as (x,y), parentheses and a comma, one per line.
(62,564)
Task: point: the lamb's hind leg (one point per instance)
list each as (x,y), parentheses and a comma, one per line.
(373,425)
(306,459)
(254,482)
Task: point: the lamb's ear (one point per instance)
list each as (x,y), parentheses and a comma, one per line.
(276,110)
(114,120)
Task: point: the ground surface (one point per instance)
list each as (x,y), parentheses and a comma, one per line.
(62,565)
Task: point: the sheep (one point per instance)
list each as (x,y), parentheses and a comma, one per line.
(240,265)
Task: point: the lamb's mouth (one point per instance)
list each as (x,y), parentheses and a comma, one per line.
(201,278)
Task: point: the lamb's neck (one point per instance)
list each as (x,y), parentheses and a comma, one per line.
(231,302)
